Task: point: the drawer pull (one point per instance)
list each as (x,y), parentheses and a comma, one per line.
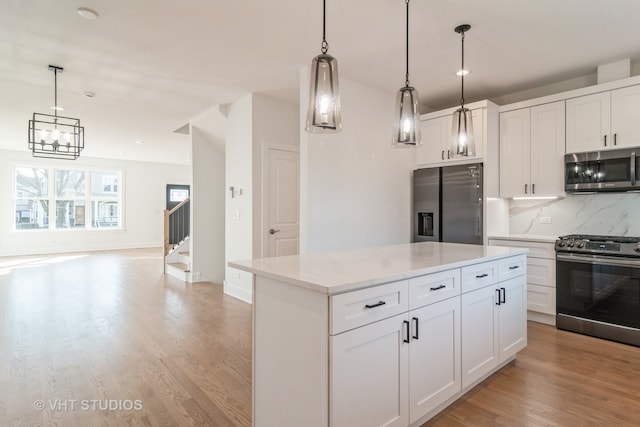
(480,276)
(513,267)
(378,304)
(438,287)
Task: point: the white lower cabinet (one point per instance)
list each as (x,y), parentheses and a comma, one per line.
(494,326)
(395,371)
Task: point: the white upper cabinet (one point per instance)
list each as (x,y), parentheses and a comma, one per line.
(532,142)
(436,138)
(603,120)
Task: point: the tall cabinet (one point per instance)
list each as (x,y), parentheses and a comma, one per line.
(532,146)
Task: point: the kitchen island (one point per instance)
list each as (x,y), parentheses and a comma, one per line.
(381,336)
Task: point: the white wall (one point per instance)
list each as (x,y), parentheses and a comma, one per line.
(252,122)
(143,206)
(207,207)
(355,189)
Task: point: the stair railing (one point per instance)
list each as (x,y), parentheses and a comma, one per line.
(176,224)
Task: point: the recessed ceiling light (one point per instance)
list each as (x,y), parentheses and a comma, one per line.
(58,108)
(462,72)
(139,142)
(87,13)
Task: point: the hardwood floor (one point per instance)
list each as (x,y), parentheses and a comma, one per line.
(104,339)
(85,333)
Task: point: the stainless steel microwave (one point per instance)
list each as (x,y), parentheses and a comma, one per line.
(610,170)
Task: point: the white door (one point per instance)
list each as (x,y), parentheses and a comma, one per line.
(369,375)
(479,326)
(434,356)
(547,149)
(282,206)
(625,104)
(589,123)
(515,160)
(512,317)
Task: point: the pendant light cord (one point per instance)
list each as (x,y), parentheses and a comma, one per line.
(55,94)
(462,73)
(406,83)
(325,45)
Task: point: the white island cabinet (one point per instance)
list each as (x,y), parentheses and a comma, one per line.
(385,336)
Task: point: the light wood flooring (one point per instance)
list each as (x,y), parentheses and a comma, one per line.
(107,328)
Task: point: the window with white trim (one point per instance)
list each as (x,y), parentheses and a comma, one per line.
(72,198)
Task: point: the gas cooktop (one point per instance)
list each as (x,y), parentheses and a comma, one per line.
(599,245)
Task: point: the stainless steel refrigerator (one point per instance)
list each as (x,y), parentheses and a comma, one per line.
(447,204)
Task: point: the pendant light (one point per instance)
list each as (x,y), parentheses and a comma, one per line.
(54,136)
(323,113)
(462,143)
(406,126)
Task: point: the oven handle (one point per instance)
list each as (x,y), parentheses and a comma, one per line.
(632,167)
(598,259)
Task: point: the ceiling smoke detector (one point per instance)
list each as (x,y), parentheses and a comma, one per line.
(88,94)
(87,13)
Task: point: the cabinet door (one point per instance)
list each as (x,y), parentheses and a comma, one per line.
(479,329)
(513,317)
(547,149)
(514,153)
(434,148)
(369,375)
(589,123)
(625,104)
(434,356)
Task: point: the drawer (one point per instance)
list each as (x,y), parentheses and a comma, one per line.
(353,309)
(536,249)
(541,299)
(478,276)
(512,267)
(425,290)
(541,272)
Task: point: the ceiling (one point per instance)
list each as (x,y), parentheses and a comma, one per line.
(154,65)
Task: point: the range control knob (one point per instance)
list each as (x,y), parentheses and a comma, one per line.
(561,243)
(580,245)
(637,248)
(571,243)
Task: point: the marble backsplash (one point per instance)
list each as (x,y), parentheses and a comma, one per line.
(602,213)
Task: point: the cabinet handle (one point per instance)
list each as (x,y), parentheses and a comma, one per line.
(480,276)
(378,304)
(406,329)
(514,267)
(533,189)
(605,140)
(504,296)
(438,287)
(615,139)
(415,319)
(498,298)
(442,155)
(526,187)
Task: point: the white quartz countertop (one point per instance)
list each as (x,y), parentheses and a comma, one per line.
(527,237)
(338,272)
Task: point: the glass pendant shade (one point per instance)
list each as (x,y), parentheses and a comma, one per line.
(462,142)
(323,113)
(406,123)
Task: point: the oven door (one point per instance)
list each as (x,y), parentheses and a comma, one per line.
(599,288)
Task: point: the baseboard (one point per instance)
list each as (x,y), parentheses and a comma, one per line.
(85,248)
(237,292)
(547,319)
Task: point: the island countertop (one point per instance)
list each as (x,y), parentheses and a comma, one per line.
(337,272)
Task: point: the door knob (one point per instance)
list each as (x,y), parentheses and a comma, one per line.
(272,231)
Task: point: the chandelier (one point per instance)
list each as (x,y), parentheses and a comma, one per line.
(54,136)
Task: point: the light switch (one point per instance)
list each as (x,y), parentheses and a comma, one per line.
(235,215)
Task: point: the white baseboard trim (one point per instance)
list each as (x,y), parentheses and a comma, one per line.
(237,292)
(548,319)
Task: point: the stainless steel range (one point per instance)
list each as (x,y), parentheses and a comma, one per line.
(598,286)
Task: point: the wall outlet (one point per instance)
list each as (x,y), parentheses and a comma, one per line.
(545,220)
(235,215)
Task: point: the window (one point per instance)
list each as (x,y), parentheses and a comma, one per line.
(75,199)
